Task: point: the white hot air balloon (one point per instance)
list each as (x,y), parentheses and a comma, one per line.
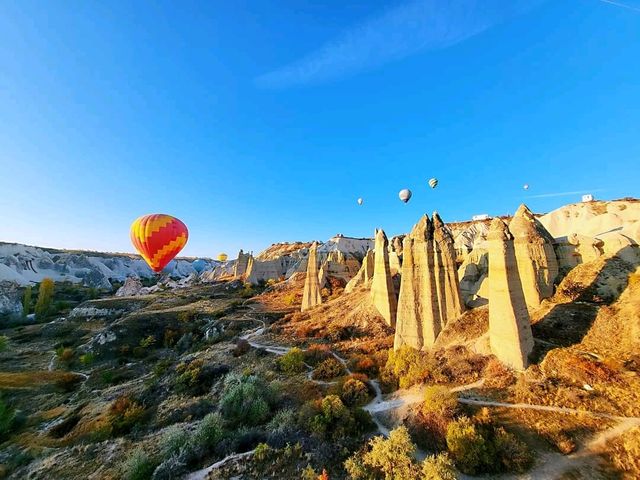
(360,201)
(433,183)
(405,195)
(526,186)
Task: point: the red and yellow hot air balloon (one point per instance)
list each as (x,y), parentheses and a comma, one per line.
(158,238)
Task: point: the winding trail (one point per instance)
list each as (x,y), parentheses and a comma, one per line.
(548,466)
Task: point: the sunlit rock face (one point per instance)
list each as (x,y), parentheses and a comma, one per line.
(311,295)
(510,334)
(535,257)
(383,295)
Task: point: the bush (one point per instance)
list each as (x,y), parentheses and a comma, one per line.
(4,343)
(289,299)
(261,452)
(209,432)
(196,377)
(292,362)
(407,366)
(173,467)
(391,459)
(45,298)
(26,301)
(514,454)
(497,375)
(87,358)
(65,354)
(438,467)
(354,392)
(316,353)
(173,440)
(246,400)
(242,347)
(7,418)
(284,421)
(328,369)
(472,452)
(439,400)
(124,413)
(139,466)
(330,418)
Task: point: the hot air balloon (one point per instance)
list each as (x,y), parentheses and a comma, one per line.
(526,186)
(433,183)
(405,195)
(199,265)
(158,238)
(222,257)
(360,201)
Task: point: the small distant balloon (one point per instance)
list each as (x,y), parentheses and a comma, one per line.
(433,183)
(222,257)
(405,195)
(199,265)
(158,238)
(360,201)
(526,186)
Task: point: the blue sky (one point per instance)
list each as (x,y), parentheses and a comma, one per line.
(257,121)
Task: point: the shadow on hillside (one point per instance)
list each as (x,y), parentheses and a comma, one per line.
(568,322)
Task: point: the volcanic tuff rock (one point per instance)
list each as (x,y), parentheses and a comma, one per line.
(447,285)
(510,334)
(311,294)
(418,321)
(383,294)
(364,275)
(241,265)
(535,257)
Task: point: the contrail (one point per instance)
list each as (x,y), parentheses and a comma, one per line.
(618,4)
(564,194)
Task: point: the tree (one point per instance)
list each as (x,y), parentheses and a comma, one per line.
(26,301)
(45,298)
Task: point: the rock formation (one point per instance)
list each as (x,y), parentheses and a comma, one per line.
(509,328)
(364,275)
(419,321)
(311,294)
(383,294)
(241,264)
(535,257)
(446,273)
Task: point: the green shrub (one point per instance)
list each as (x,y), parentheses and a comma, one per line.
(7,418)
(246,400)
(173,440)
(138,466)
(330,418)
(4,343)
(283,421)
(328,369)
(65,354)
(439,400)
(148,341)
(514,454)
(87,358)
(438,467)
(261,452)
(472,452)
(292,362)
(407,366)
(45,298)
(389,458)
(354,392)
(209,432)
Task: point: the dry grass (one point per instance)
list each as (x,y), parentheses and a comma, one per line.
(624,454)
(35,379)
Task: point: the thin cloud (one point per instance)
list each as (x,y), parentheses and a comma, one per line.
(564,194)
(413,27)
(622,5)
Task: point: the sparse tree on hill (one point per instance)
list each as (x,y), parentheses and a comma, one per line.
(26,301)
(45,298)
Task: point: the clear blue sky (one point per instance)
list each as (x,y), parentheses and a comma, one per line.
(260,121)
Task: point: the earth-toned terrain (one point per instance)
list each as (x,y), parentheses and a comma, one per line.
(501,348)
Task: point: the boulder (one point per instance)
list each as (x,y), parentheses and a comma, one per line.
(510,334)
